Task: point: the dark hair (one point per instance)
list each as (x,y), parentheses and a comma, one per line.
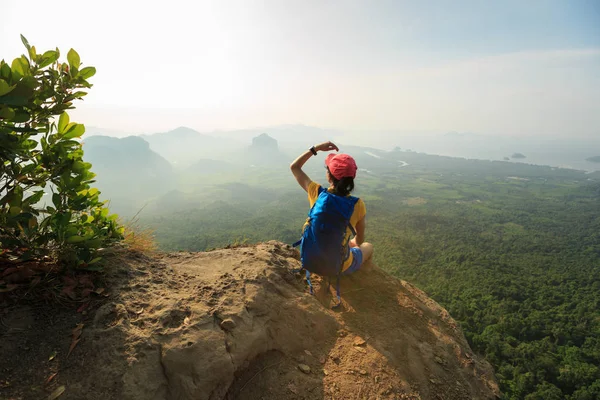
(342,187)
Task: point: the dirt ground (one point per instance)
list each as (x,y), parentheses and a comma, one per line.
(238,324)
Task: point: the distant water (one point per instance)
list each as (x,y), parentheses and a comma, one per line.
(560,153)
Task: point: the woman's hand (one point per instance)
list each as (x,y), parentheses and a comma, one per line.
(326,146)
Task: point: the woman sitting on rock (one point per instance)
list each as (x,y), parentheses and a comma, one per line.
(333,210)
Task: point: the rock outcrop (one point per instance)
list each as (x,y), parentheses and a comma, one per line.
(264,151)
(239,323)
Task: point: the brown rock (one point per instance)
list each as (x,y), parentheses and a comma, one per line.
(228,324)
(304,368)
(272,320)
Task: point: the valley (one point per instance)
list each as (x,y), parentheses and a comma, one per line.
(512,250)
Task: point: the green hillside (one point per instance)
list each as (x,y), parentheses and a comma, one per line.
(511,250)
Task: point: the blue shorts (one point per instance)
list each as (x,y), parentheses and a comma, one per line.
(357,258)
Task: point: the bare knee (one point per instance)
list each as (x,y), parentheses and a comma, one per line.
(367,251)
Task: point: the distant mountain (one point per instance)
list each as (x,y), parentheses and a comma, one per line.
(127,169)
(595,159)
(265,142)
(183,146)
(286,135)
(128,153)
(518,156)
(264,151)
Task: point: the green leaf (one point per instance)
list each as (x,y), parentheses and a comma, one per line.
(5,87)
(76,239)
(33,199)
(74,60)
(14,210)
(17,69)
(63,121)
(25,64)
(5,71)
(95,260)
(87,72)
(21,116)
(6,113)
(75,131)
(32,53)
(94,243)
(29,82)
(56,200)
(25,42)
(48,58)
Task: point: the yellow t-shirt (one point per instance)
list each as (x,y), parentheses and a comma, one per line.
(359,213)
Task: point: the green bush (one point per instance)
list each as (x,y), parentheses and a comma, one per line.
(47,203)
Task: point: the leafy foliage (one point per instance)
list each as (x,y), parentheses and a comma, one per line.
(47,203)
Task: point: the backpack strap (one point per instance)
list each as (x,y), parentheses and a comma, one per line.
(351,228)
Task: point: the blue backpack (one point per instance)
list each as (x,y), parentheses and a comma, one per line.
(324,246)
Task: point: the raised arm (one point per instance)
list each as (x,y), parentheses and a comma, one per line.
(296,166)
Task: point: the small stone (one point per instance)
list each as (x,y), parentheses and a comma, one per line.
(377,379)
(304,368)
(308,353)
(439,360)
(322,360)
(292,388)
(363,372)
(325,372)
(358,341)
(360,350)
(433,381)
(227,324)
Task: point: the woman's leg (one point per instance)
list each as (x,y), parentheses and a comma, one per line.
(360,256)
(367,251)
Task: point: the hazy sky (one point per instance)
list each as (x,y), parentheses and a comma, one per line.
(503,67)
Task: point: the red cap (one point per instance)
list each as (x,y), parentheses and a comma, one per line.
(341,165)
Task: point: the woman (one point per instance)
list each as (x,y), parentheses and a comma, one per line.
(341,171)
